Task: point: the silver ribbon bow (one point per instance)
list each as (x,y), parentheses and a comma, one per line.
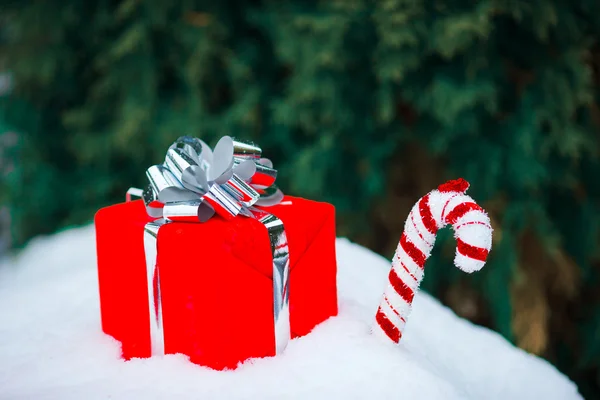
(192,185)
(195,182)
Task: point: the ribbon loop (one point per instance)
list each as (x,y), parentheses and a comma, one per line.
(246,149)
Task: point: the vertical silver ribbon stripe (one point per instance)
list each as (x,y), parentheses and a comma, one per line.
(192,185)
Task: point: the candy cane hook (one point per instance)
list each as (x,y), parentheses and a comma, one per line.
(447,205)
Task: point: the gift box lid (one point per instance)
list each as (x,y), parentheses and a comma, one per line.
(245,238)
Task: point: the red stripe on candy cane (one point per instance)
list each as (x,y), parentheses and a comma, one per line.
(413,252)
(472,244)
(460,210)
(426,216)
(387,326)
(401,288)
(476,253)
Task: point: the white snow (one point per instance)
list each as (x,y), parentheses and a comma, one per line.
(52,347)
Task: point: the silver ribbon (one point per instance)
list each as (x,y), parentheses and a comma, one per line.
(192,185)
(195,182)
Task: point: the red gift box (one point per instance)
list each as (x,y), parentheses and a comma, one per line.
(216,281)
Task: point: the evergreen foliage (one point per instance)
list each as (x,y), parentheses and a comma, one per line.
(364,104)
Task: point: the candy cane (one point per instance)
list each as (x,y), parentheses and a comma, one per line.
(447,205)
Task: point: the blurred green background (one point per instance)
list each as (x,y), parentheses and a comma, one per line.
(365,104)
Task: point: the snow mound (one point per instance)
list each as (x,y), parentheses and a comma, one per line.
(52,347)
